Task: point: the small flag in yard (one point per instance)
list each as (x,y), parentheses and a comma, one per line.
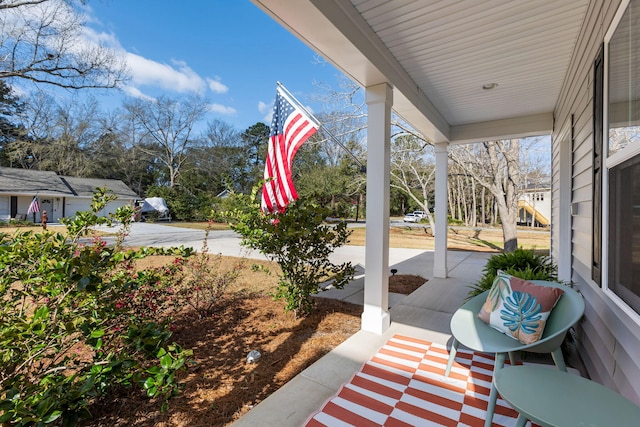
(290,128)
(34,206)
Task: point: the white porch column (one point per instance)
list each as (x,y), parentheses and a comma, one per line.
(375,317)
(440,250)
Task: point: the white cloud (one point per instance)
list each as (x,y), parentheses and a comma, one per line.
(267,110)
(151,73)
(216,86)
(137,93)
(264,108)
(175,76)
(222,109)
(93,37)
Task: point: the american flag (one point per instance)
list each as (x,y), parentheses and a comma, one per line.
(290,128)
(34,206)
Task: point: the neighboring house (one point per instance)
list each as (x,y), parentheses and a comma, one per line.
(223,194)
(59,196)
(479,70)
(535,203)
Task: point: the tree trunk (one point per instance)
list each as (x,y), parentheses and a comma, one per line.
(172,176)
(451,200)
(474,204)
(533,211)
(429,215)
(465,203)
(459,200)
(509,228)
(483,213)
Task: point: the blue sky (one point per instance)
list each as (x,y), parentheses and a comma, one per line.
(229,51)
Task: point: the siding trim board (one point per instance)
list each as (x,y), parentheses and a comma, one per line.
(561,185)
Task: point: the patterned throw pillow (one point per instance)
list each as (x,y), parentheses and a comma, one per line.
(519,308)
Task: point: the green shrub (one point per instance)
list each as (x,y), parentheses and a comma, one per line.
(522,263)
(300,242)
(65,336)
(201,284)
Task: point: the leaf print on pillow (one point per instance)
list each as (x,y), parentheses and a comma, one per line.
(498,292)
(521,311)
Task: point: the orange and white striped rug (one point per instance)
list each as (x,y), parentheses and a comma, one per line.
(404,385)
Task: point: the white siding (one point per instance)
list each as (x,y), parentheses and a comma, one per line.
(76,204)
(5,208)
(113,206)
(72,205)
(609,340)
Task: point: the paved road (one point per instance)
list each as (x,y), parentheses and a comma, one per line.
(227,242)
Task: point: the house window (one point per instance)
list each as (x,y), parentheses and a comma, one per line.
(624,232)
(623,158)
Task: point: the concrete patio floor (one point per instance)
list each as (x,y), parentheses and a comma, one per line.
(425,314)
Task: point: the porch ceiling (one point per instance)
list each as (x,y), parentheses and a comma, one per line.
(437,55)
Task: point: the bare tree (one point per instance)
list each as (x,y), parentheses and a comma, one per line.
(45,41)
(412,173)
(496,166)
(466,200)
(58,136)
(38,118)
(340,143)
(167,128)
(343,122)
(221,162)
(115,153)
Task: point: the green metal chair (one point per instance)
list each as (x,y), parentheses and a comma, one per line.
(467,329)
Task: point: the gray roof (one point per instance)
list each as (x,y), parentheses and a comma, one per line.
(84,187)
(27,181)
(31,182)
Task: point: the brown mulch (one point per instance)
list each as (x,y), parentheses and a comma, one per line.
(219,385)
(405,283)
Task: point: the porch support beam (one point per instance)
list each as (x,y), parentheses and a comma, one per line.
(441,200)
(375,317)
(515,127)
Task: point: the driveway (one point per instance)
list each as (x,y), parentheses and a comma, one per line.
(225,242)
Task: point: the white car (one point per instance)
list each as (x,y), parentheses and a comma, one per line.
(411,217)
(419,214)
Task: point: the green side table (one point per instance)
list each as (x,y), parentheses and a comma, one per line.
(552,398)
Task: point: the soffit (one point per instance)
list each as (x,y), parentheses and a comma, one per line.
(437,55)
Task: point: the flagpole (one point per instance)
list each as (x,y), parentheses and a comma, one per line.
(293,99)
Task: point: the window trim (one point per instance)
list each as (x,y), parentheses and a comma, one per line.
(598,168)
(609,163)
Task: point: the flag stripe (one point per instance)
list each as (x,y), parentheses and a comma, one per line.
(34,206)
(290,128)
